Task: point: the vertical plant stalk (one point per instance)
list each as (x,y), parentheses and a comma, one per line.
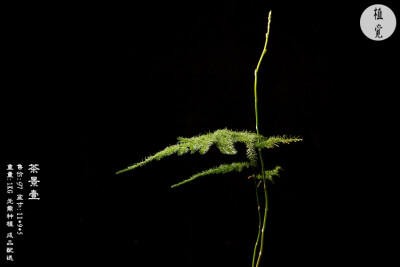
(260,236)
(259,220)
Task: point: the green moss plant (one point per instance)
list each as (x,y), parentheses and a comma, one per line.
(225,141)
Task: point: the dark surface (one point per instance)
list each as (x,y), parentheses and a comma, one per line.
(94,87)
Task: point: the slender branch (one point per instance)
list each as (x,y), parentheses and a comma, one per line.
(264,221)
(259,150)
(265,210)
(256,71)
(259,222)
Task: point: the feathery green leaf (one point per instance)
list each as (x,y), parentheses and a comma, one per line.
(224,168)
(225,141)
(270,174)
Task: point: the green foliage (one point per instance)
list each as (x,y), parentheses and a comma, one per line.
(235,166)
(270,174)
(224,168)
(225,141)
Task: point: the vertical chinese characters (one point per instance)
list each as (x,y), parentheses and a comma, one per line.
(34,194)
(378,27)
(15,178)
(378,22)
(10,213)
(19,199)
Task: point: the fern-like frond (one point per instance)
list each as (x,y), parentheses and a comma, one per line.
(270,174)
(274,141)
(225,141)
(224,168)
(163,153)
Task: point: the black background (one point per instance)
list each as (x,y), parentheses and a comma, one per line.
(92,87)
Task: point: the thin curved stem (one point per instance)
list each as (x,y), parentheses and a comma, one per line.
(265,211)
(260,154)
(256,71)
(259,222)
